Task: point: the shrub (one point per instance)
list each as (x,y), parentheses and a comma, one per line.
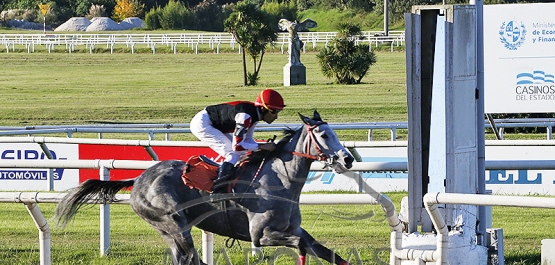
(96,11)
(152,18)
(344,60)
(208,16)
(82,8)
(31,15)
(174,15)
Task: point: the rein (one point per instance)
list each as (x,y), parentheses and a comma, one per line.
(321,156)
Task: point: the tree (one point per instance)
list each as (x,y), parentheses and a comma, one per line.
(345,60)
(251,30)
(127,8)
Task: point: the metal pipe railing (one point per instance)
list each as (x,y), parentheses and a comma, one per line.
(431,200)
(31,199)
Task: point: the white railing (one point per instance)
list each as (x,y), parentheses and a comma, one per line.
(31,200)
(167,129)
(105,165)
(431,200)
(213,41)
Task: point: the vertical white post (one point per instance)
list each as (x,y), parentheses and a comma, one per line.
(385,18)
(207,247)
(44,232)
(104,218)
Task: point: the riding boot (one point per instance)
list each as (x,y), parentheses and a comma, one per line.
(220,185)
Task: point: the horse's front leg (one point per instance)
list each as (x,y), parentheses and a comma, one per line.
(274,237)
(309,245)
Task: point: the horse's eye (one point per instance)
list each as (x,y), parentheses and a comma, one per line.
(325,136)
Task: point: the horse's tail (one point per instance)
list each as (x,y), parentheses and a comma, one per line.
(97,191)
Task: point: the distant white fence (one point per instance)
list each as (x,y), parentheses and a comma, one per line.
(213,41)
(168,129)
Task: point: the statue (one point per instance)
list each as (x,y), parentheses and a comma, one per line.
(295,43)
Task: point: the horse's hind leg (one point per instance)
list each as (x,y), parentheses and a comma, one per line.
(175,231)
(181,254)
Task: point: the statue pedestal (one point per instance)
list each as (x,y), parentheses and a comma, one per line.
(294,75)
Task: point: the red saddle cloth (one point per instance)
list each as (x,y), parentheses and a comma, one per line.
(199,174)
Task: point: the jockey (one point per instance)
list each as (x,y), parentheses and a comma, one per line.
(228,129)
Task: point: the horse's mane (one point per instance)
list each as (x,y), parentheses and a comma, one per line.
(256,157)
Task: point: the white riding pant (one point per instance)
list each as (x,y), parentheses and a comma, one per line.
(220,142)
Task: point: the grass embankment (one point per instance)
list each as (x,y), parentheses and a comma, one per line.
(329,19)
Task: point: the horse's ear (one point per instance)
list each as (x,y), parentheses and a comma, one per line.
(306,120)
(317,116)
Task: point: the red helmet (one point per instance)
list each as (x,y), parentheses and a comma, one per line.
(269,99)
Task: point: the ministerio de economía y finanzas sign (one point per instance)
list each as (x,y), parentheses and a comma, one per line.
(519,58)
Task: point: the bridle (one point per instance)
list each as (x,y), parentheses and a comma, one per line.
(306,154)
(310,142)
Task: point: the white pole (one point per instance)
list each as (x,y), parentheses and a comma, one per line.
(44,232)
(104,218)
(207,247)
(431,200)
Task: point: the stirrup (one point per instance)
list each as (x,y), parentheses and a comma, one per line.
(208,160)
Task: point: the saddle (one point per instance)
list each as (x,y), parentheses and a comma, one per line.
(200,173)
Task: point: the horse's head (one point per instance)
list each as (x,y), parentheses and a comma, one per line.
(322,144)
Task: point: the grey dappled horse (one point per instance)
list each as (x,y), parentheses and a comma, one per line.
(263,209)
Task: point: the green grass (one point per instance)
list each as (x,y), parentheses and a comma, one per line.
(133,241)
(82,88)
